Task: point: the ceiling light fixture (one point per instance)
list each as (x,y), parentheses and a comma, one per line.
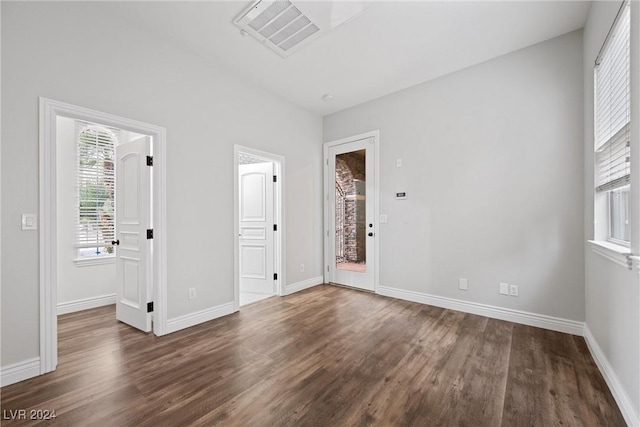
(327,97)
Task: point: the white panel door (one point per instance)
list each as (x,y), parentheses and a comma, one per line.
(133,218)
(255,182)
(351,214)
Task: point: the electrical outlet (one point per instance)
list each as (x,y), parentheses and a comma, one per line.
(301,268)
(192,293)
(463,284)
(504,289)
(513,290)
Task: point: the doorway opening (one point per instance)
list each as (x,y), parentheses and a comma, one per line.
(351,206)
(90,219)
(259,225)
(103,191)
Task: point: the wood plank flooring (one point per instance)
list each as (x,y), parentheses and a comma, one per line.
(327,356)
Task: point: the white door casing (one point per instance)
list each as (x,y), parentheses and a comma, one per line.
(133,218)
(49,110)
(369,278)
(256,233)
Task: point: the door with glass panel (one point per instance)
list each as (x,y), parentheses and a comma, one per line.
(351,168)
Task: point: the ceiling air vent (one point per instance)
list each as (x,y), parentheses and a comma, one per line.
(284,27)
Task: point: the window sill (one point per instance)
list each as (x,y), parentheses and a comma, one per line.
(89,261)
(621,255)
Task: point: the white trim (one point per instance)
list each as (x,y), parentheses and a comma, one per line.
(612,380)
(636,261)
(49,110)
(86,304)
(19,371)
(375,134)
(516,316)
(304,284)
(616,253)
(280,254)
(96,260)
(192,319)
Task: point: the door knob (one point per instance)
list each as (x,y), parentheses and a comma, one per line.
(115,242)
(370,234)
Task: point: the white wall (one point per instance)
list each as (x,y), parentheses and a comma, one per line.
(492,165)
(612,291)
(74,282)
(206,110)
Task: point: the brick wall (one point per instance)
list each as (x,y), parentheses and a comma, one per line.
(351,167)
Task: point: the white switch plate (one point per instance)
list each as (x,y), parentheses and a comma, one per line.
(504,289)
(192,293)
(398,163)
(513,290)
(383,219)
(29,221)
(463,284)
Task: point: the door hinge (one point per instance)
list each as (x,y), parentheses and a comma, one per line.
(149,160)
(275,178)
(327,162)
(275,276)
(327,268)
(150,233)
(150,307)
(275,227)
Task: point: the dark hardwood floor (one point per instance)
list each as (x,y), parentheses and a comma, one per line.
(327,356)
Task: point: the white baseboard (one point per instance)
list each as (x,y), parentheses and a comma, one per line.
(192,319)
(86,304)
(516,316)
(305,284)
(622,399)
(20,371)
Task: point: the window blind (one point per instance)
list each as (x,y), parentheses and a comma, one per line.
(95,181)
(612,107)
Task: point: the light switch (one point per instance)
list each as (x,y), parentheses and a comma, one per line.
(29,222)
(398,163)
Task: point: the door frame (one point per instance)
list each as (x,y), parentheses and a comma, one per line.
(278,218)
(375,134)
(49,111)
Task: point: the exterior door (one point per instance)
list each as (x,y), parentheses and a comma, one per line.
(133,218)
(255,183)
(351,198)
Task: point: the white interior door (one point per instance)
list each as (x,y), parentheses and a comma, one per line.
(255,183)
(351,198)
(133,218)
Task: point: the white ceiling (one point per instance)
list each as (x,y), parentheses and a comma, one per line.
(390,46)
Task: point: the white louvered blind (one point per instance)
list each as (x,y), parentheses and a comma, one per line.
(96,186)
(612,107)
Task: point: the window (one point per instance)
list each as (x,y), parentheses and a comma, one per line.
(612,132)
(95,175)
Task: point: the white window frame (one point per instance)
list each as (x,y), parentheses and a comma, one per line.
(83,256)
(602,198)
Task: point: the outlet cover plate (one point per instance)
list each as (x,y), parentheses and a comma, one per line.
(504,289)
